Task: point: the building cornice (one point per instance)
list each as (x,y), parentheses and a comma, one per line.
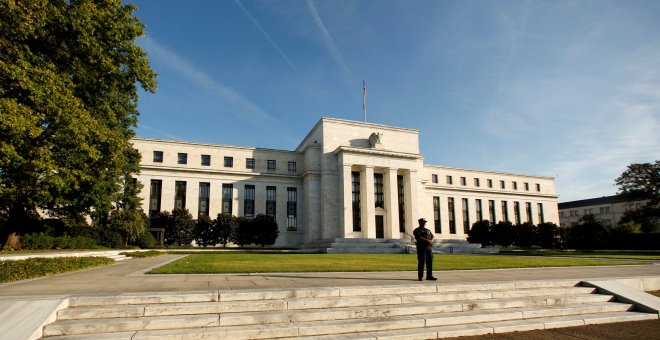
(376,152)
(209,145)
(429,167)
(485,191)
(216,172)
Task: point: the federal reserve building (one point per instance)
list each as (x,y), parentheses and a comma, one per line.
(346,181)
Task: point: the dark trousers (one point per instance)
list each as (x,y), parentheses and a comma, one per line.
(424,254)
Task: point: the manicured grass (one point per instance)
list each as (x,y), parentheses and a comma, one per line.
(37,267)
(641,255)
(270,263)
(657,293)
(141,254)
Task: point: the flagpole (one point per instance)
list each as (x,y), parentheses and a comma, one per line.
(364,99)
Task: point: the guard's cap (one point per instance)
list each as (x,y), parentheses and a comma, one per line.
(422,220)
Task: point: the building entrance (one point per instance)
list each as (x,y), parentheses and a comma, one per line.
(380,227)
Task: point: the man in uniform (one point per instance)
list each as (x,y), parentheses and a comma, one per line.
(424,242)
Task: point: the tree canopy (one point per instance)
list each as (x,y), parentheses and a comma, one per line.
(69,71)
(641,181)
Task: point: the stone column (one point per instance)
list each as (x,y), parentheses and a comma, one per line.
(411,200)
(345,194)
(391,205)
(368,212)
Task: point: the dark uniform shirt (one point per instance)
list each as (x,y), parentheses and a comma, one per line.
(422,233)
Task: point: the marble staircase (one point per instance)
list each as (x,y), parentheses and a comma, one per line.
(415,311)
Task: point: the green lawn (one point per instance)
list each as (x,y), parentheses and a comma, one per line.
(270,263)
(594,254)
(656,293)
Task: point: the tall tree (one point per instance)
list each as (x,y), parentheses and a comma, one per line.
(641,181)
(69,71)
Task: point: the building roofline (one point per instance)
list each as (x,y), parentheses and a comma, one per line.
(487,171)
(211,145)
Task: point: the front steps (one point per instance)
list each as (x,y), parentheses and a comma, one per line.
(399,246)
(415,311)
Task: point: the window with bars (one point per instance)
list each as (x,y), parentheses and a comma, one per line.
(452,218)
(379,196)
(505,211)
(204,198)
(528,210)
(229,162)
(248,202)
(292,167)
(206,160)
(516,212)
(434,178)
(155,195)
(466,216)
(271,196)
(401,201)
(489,182)
(355,192)
(179,194)
(476,182)
(477,207)
(449,180)
(271,165)
(227,198)
(463,181)
(436,214)
(291,209)
(491,211)
(249,163)
(540,208)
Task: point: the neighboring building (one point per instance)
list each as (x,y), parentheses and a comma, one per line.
(607,210)
(346,179)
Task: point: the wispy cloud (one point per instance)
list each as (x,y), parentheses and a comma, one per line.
(247,111)
(160,132)
(254,21)
(330,44)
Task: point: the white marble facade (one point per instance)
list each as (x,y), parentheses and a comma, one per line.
(339,166)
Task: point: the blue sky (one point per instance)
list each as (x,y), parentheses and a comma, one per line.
(558,88)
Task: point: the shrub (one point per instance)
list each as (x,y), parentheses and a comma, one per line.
(37,241)
(180,229)
(524,234)
(225,225)
(549,235)
(481,232)
(265,230)
(244,232)
(110,238)
(30,268)
(130,223)
(146,241)
(587,234)
(503,233)
(204,232)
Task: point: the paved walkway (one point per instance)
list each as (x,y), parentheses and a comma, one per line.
(129,276)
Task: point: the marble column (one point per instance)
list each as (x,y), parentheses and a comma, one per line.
(391,205)
(346,201)
(368,212)
(411,201)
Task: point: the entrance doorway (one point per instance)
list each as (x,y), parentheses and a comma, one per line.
(380,227)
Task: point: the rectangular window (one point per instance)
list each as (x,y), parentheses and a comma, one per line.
(516,212)
(206,160)
(476,182)
(229,162)
(379,197)
(434,178)
(249,163)
(248,203)
(505,211)
(528,211)
(182,158)
(490,183)
(158,157)
(291,209)
(480,214)
(401,201)
(449,179)
(292,167)
(515,185)
(271,196)
(204,198)
(355,189)
(452,219)
(491,211)
(463,181)
(227,193)
(154,195)
(502,185)
(466,216)
(436,214)
(179,194)
(271,165)
(540,208)
(526,186)
(538,187)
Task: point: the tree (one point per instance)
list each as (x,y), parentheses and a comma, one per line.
(180,231)
(130,223)
(204,231)
(587,234)
(481,232)
(225,225)
(503,233)
(641,181)
(69,72)
(265,230)
(244,232)
(524,235)
(548,235)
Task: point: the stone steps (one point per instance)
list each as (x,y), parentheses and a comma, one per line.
(370,312)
